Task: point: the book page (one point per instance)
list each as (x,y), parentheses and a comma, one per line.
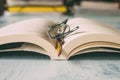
(93,46)
(89,31)
(32,31)
(26,47)
(98,49)
(35,26)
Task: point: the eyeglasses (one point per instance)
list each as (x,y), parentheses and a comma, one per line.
(60,30)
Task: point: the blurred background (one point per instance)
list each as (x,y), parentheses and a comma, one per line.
(52,5)
(33,66)
(107,11)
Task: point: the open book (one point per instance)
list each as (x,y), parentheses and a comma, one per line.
(31,35)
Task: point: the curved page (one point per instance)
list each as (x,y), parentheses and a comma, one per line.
(32,31)
(89,32)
